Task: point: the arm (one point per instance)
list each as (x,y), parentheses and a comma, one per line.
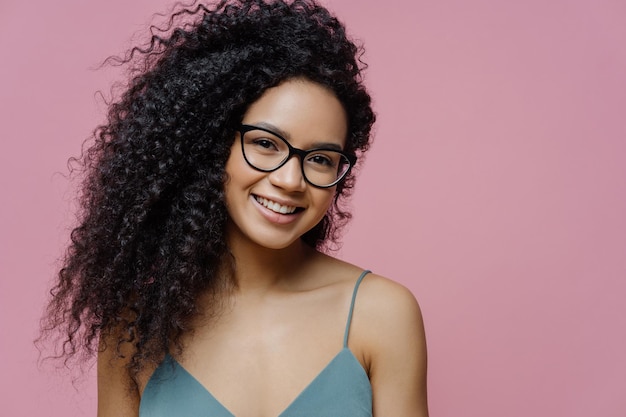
(396,350)
(118,396)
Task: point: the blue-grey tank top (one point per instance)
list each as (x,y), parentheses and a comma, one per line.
(341,389)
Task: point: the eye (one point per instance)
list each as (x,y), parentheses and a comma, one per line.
(264,144)
(322,160)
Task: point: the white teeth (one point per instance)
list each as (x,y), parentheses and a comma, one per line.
(274,206)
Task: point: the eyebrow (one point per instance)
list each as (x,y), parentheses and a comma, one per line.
(287,136)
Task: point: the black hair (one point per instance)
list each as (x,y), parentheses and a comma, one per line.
(150,237)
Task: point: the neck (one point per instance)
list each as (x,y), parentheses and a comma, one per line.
(260,269)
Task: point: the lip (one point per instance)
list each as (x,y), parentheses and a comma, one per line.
(280,201)
(271,215)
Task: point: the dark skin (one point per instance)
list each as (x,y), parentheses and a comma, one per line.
(284,321)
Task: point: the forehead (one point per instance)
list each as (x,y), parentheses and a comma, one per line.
(303,111)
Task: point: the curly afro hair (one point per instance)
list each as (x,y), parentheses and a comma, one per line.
(150,237)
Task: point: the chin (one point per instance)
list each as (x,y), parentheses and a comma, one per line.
(280,244)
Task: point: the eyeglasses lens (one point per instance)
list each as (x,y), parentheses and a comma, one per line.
(268,152)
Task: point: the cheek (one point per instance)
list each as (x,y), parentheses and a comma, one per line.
(235,183)
(324,200)
(237,170)
(231,163)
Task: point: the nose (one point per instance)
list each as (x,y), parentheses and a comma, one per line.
(289,176)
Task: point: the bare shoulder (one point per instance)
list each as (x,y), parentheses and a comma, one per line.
(378,298)
(386,318)
(388,336)
(389,309)
(116,394)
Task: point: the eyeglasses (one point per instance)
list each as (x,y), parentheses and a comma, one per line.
(267,151)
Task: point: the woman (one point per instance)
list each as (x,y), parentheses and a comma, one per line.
(197,271)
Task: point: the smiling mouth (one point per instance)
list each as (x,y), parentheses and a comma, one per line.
(276,207)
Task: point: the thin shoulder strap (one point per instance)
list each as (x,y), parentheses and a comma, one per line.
(356,288)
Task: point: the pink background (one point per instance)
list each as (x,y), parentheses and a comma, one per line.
(495,189)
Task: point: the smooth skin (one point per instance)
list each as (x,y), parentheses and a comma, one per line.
(285,319)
